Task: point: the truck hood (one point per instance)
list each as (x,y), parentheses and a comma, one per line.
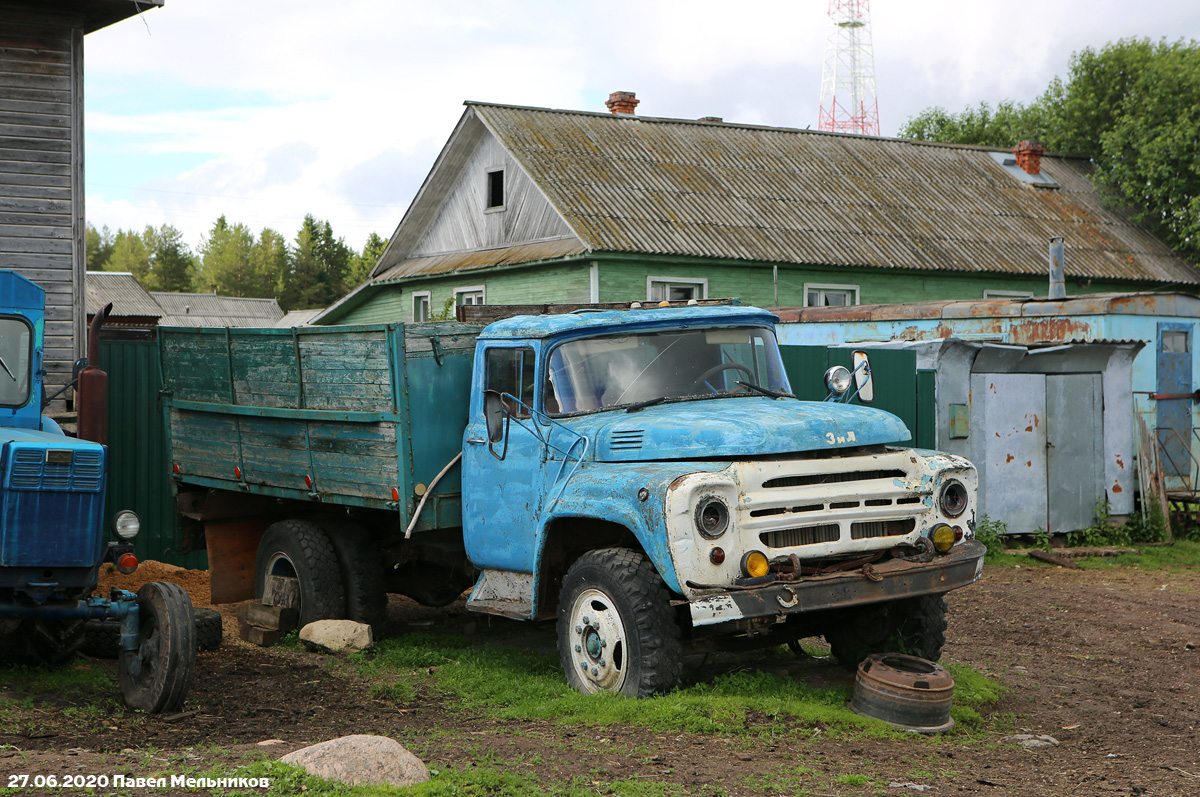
(736,427)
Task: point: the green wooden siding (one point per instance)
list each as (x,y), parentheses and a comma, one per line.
(138,476)
(570,283)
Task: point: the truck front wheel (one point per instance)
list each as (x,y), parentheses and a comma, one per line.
(616,630)
(916,626)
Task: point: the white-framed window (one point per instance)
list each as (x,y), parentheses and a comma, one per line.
(990,294)
(422,310)
(469,296)
(818,294)
(494,190)
(675,289)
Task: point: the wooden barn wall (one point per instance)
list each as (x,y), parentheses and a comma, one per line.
(465,224)
(41,167)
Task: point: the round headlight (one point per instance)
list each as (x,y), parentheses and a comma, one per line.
(712,517)
(837,379)
(126,524)
(954,499)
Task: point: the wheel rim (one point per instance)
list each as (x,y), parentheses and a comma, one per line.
(280,564)
(598,642)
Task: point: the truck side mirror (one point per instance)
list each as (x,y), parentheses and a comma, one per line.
(496,416)
(862,377)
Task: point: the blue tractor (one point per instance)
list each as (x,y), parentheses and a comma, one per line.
(53,529)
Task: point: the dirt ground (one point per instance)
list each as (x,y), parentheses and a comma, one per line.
(1106,662)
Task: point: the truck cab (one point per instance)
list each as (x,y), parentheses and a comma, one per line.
(649,478)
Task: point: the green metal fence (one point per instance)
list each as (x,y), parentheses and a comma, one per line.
(138,476)
(900,388)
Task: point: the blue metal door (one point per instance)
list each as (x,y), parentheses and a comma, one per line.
(1173,427)
(503,478)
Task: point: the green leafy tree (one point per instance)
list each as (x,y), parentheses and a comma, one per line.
(319,269)
(225,254)
(172,264)
(130,253)
(269,258)
(1002,126)
(1132,107)
(99,245)
(366,260)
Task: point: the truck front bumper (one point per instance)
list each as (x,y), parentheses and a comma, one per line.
(899,579)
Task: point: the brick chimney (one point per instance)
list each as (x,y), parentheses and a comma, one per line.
(1029,156)
(622,102)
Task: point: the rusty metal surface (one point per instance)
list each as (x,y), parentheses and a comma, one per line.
(905,691)
(900,579)
(674,186)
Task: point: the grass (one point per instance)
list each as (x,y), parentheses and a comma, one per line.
(516,684)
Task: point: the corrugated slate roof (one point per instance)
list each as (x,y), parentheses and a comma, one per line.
(481,258)
(681,187)
(122,289)
(210,310)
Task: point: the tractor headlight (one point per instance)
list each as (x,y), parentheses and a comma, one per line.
(712,517)
(126,524)
(837,379)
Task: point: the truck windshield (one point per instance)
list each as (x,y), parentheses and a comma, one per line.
(15,349)
(622,370)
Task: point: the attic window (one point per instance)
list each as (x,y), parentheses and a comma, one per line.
(495,189)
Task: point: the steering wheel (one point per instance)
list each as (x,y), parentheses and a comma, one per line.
(719,368)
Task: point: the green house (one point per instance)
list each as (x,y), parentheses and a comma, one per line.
(533,205)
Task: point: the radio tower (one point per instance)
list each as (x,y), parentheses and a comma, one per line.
(848,103)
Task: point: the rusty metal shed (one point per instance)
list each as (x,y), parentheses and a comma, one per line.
(1162,374)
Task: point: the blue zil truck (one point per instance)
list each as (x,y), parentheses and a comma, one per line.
(644,477)
(53,529)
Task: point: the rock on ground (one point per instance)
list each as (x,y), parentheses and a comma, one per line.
(361,759)
(337,636)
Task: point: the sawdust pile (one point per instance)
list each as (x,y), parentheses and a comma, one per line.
(195,582)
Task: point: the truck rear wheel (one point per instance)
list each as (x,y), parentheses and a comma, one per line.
(616,630)
(362,571)
(157,676)
(301,550)
(915,626)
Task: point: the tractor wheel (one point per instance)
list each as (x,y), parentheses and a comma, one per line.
(102,638)
(157,676)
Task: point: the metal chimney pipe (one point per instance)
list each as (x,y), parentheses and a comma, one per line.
(1058,287)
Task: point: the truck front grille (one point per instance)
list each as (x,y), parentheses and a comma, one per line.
(851,503)
(794,538)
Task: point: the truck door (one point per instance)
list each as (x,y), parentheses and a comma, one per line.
(503,478)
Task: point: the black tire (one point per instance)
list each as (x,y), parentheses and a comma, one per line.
(362,571)
(102,638)
(614,615)
(301,550)
(915,626)
(166,654)
(43,642)
(210,629)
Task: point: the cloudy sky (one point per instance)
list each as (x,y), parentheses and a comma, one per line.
(265,110)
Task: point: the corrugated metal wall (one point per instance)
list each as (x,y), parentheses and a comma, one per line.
(138,469)
(899,387)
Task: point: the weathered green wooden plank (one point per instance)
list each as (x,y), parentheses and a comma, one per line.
(314,414)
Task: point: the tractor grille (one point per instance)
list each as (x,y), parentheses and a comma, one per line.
(30,471)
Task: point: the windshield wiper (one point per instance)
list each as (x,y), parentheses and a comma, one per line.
(760,389)
(647,403)
(8,370)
